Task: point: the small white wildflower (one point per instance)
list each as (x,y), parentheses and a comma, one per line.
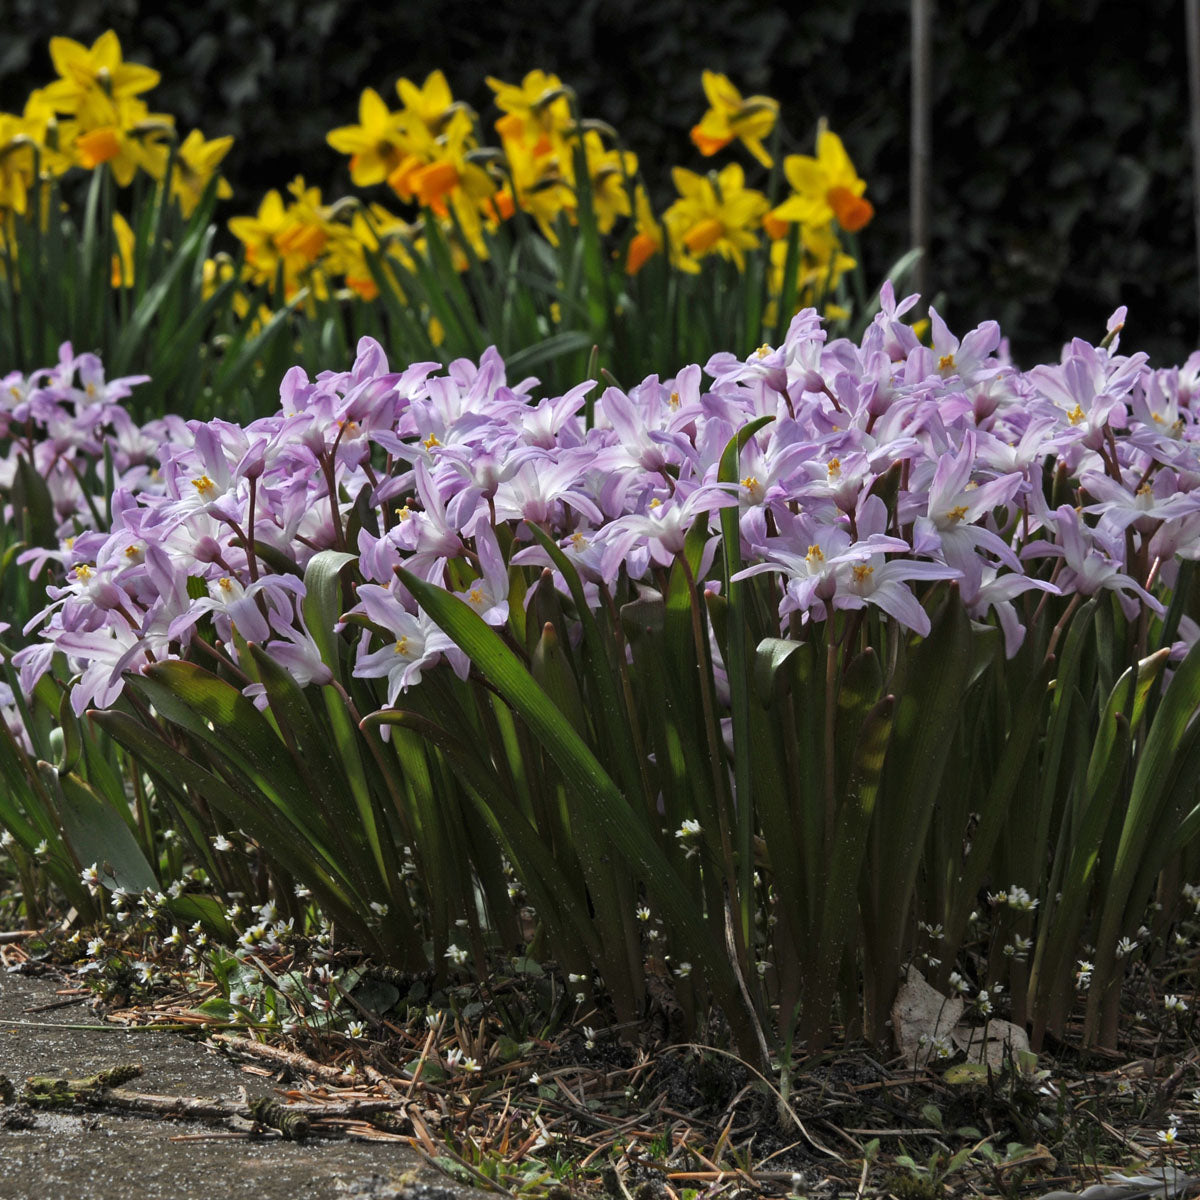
(1016,897)
(268,912)
(1125,947)
(42,848)
(432,1020)
(683,970)
(1083,973)
(453,1057)
(535,1078)
(957,982)
(6,839)
(301,892)
(170,835)
(357,1029)
(457,956)
(983,1003)
(579,997)
(146,973)
(761,968)
(380,910)
(95,947)
(1124,1088)
(176,889)
(932,963)
(653,934)
(1168,1136)
(324,973)
(573,978)
(469,1064)
(1175,1004)
(175,937)
(643,913)
(90,877)
(221,843)
(589,1035)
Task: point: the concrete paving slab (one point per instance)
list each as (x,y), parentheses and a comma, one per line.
(102,1156)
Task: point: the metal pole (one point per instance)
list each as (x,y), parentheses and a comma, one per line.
(921,137)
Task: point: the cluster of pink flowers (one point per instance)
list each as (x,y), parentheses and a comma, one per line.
(215,522)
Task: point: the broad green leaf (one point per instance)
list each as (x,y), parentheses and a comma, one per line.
(96,833)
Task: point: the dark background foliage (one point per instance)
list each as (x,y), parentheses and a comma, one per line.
(1061,178)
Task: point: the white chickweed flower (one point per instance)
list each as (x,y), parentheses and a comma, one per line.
(457,956)
(643,913)
(1175,1004)
(1083,974)
(221,843)
(356,1029)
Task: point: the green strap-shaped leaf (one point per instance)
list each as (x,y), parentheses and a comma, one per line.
(589,782)
(96,833)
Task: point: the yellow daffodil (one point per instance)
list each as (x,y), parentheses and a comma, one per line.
(126,137)
(718,216)
(374,144)
(55,137)
(431,106)
(196,162)
(730,117)
(85,73)
(541,183)
(292,235)
(16,164)
(536,108)
(122,259)
(648,235)
(609,171)
(372,231)
(824,188)
(822,265)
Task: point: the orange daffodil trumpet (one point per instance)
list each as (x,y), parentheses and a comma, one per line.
(824,189)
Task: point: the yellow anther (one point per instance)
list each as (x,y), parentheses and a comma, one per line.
(133,551)
(578,540)
(862,573)
(815,554)
(203,484)
(225,583)
(475,596)
(763,350)
(751,484)
(1144,490)
(674,400)
(83,571)
(1076,415)
(404,512)
(835,467)
(431,441)
(402,646)
(655,503)
(956,514)
(946,363)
